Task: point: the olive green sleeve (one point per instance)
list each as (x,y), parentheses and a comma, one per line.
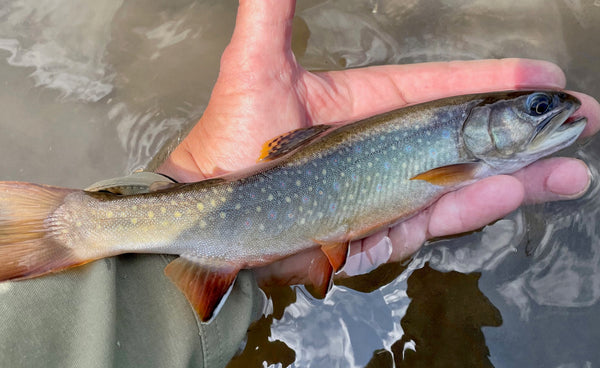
(119,312)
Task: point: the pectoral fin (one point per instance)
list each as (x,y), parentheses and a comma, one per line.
(290,141)
(204,282)
(450,175)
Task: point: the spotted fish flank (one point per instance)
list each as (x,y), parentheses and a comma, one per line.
(315,187)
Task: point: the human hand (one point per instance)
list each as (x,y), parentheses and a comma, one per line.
(262,92)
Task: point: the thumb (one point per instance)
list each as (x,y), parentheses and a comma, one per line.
(262,31)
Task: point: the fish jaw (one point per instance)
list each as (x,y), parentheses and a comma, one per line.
(561,136)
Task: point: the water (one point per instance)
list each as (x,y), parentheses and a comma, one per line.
(99,95)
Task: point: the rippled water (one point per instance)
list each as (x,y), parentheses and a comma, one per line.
(98,96)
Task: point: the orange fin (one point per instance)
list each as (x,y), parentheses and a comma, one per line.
(336,253)
(450,175)
(204,282)
(29,246)
(289,141)
(320,273)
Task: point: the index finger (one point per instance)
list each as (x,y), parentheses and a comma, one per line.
(359,93)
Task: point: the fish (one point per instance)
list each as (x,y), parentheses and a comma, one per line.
(321,186)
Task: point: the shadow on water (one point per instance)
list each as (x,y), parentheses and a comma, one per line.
(442,324)
(259,347)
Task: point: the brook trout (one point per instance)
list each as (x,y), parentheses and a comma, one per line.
(321,186)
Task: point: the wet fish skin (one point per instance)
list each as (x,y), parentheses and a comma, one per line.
(342,184)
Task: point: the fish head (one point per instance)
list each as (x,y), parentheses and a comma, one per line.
(510,130)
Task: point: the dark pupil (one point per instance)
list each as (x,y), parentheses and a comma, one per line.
(539,105)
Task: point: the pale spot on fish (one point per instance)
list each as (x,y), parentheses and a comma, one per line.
(213,203)
(223,199)
(202,224)
(298,183)
(288,199)
(200,206)
(177,214)
(258,209)
(229,190)
(134,221)
(238,206)
(134,208)
(78,223)
(270,197)
(150,214)
(109,214)
(222,215)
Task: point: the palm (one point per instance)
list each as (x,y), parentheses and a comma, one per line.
(262,92)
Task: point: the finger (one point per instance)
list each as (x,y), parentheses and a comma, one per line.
(554,179)
(370,256)
(590,108)
(288,271)
(263,30)
(369,91)
(475,206)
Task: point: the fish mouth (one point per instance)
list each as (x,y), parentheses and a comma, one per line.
(557,131)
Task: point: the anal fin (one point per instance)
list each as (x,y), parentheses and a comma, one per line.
(287,142)
(204,282)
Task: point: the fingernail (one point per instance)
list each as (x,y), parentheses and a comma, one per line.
(570,181)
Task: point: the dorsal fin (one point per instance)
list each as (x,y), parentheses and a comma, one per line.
(289,141)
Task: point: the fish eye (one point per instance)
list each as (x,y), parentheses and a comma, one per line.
(538,104)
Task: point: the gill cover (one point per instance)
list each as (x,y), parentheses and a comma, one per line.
(503,126)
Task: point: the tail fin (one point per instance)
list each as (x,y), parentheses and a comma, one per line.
(28,243)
